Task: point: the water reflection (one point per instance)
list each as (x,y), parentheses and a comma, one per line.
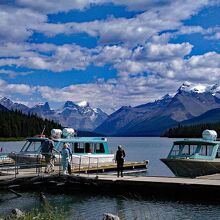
(90,207)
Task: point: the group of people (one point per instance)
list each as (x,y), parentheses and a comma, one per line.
(47,149)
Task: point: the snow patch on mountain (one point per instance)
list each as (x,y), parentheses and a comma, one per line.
(83,104)
(190,87)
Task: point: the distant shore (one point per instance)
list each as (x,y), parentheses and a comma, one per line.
(2,139)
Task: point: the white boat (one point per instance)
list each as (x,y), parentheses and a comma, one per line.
(195,156)
(86,150)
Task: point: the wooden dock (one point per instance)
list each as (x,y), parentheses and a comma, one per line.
(206,188)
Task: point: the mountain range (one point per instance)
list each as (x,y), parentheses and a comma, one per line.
(79,116)
(152,119)
(191,104)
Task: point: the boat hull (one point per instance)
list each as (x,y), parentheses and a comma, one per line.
(192,168)
(76,159)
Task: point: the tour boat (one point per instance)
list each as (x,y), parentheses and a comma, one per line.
(4,159)
(93,150)
(195,157)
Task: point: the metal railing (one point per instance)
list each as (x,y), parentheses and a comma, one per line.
(84,163)
(35,164)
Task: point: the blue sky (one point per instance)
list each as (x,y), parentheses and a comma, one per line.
(109,53)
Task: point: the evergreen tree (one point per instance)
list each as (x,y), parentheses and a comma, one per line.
(17,124)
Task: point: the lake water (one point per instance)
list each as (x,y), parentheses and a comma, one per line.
(80,206)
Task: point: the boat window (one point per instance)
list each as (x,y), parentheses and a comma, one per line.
(189,150)
(25,146)
(192,149)
(32,146)
(175,151)
(218,153)
(206,150)
(185,150)
(78,148)
(99,148)
(88,147)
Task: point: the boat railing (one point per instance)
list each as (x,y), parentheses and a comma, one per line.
(85,163)
(79,164)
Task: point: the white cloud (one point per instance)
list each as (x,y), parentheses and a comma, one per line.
(138,48)
(56,5)
(46,56)
(13,74)
(137,30)
(113,93)
(17,24)
(7,89)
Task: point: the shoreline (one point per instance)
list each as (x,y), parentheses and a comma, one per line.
(2,139)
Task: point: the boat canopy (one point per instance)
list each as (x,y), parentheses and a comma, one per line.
(196,141)
(79,145)
(194,149)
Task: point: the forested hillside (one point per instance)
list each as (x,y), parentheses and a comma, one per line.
(16,124)
(191,131)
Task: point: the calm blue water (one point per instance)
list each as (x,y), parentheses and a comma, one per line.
(90,207)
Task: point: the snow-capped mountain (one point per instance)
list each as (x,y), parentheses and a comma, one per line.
(154,118)
(42,110)
(79,116)
(13,105)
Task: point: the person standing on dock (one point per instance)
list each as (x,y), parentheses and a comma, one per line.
(120,155)
(70,159)
(65,158)
(47,149)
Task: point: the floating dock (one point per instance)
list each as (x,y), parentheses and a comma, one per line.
(206,188)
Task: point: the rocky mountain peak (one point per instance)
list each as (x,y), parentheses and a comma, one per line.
(44,106)
(6,102)
(69,104)
(192,88)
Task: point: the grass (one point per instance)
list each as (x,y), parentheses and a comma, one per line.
(45,212)
(50,214)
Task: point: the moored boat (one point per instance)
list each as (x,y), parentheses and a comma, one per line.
(5,159)
(85,149)
(195,157)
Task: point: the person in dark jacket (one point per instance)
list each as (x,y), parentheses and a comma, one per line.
(47,148)
(69,168)
(120,155)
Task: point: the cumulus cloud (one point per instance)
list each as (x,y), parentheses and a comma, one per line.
(138,47)
(45,56)
(6,89)
(123,91)
(139,29)
(17,24)
(13,74)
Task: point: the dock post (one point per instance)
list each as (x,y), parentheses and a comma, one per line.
(16,165)
(59,163)
(88,166)
(37,171)
(97,167)
(79,164)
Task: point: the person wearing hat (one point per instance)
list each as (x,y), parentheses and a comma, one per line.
(65,157)
(120,155)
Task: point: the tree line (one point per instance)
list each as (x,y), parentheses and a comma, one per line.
(191,131)
(16,124)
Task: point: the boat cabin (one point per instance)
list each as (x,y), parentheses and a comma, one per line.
(83,148)
(195,149)
(79,145)
(84,145)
